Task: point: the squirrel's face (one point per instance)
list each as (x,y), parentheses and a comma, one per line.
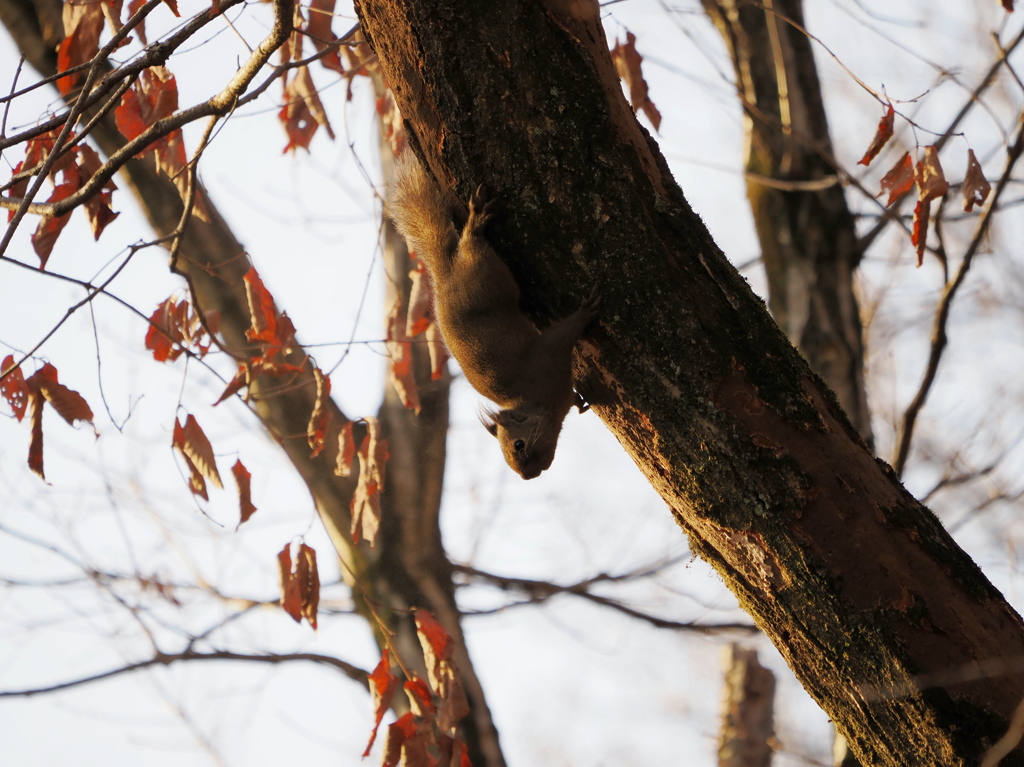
(527,441)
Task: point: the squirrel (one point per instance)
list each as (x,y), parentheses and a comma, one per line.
(526,372)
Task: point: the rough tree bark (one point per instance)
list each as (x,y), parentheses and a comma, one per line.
(409,567)
(805,228)
(887,622)
(748,711)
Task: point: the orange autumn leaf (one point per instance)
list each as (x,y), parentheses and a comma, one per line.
(882,136)
(13,388)
(899,180)
(262,312)
(320,418)
(628,65)
(242,480)
(928,175)
(382,689)
(97,207)
(976,186)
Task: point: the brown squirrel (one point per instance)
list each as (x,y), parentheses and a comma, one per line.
(527,373)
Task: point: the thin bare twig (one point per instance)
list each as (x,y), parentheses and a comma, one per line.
(166,659)
(541,591)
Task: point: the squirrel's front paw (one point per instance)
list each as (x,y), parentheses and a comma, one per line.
(481,208)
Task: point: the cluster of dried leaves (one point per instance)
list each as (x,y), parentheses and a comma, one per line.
(427,734)
(927,175)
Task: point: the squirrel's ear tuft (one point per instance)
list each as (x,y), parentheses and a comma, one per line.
(487,419)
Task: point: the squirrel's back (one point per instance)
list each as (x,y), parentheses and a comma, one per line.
(421,213)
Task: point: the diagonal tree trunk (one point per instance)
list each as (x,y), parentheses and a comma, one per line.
(409,567)
(887,622)
(804,226)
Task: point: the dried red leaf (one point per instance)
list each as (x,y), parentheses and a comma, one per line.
(193,445)
(320,418)
(420,699)
(976,186)
(303,112)
(406,743)
(13,388)
(1008,5)
(173,5)
(437,645)
(928,175)
(373,457)
(35,446)
(382,689)
(291,600)
(69,404)
(400,372)
(97,207)
(300,583)
(83,23)
(454,705)
(164,334)
(236,384)
(899,179)
(628,65)
(262,313)
(242,480)
(133,7)
(421,301)
(919,235)
(346,451)
(153,97)
(45,236)
(882,136)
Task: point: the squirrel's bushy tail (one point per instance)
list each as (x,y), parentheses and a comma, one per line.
(420,213)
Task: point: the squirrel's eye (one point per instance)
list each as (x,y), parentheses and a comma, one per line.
(519,445)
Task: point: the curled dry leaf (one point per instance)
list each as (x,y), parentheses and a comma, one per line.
(382,689)
(197,452)
(303,112)
(39,388)
(438,351)
(931,181)
(320,418)
(976,186)
(346,451)
(899,180)
(628,65)
(373,457)
(242,480)
(399,348)
(300,583)
(421,300)
(407,742)
(882,136)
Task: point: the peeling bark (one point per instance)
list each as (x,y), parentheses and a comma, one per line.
(890,626)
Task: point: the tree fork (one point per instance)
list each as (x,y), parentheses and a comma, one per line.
(887,622)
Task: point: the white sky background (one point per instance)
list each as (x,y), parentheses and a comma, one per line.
(569,684)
